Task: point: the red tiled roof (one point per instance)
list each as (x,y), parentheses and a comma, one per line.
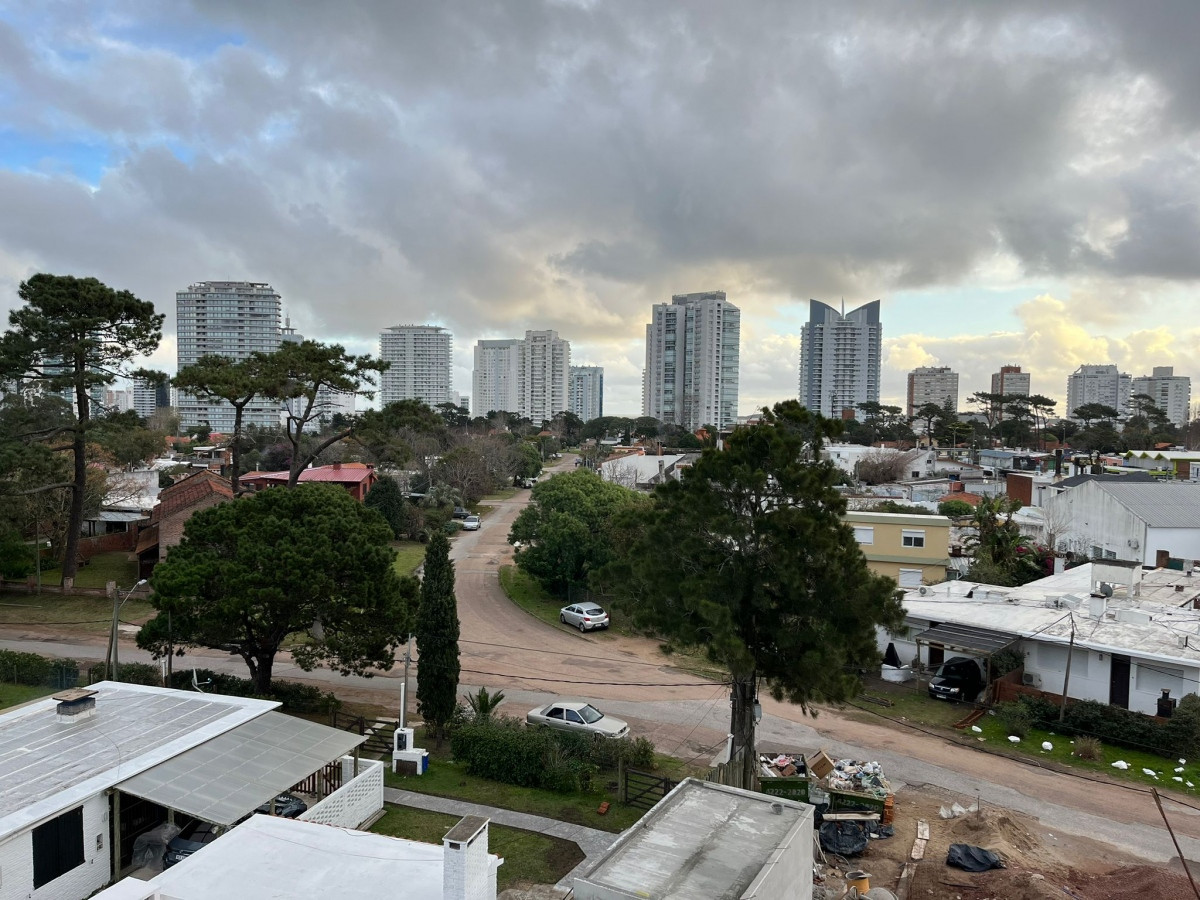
(189,492)
(147,538)
(346,473)
(965,496)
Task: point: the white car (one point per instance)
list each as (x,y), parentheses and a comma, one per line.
(584,616)
(575,715)
(471,523)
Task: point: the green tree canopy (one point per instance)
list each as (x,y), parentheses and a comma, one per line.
(566,532)
(386,499)
(75,336)
(253,571)
(749,558)
(437,639)
(1001,554)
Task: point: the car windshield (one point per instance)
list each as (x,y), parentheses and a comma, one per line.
(591,715)
(595,611)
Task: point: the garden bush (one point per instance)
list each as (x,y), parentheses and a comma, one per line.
(1089,748)
(1015,718)
(29,668)
(130,673)
(296,698)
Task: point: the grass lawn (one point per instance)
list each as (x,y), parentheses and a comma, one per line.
(119,566)
(502,494)
(73,612)
(446,778)
(409,555)
(529,858)
(16,694)
(524,591)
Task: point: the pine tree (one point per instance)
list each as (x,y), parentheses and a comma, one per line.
(386,499)
(437,640)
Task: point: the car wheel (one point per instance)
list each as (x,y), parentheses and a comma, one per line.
(582,629)
(562,619)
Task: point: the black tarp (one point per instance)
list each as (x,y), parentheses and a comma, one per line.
(972,859)
(844,838)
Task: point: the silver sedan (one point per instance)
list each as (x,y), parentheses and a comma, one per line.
(577,716)
(584,616)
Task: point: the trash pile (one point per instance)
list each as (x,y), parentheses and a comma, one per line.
(859,777)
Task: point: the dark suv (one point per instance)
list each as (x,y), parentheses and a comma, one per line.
(958,678)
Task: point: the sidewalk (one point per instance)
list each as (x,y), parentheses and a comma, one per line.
(591,841)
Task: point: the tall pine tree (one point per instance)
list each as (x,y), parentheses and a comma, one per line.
(437,640)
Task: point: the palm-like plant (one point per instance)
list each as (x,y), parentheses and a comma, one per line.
(484,704)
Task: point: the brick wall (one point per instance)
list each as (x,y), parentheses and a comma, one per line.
(16,861)
(108,543)
(170,529)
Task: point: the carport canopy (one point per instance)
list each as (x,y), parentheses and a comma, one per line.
(226,778)
(967,638)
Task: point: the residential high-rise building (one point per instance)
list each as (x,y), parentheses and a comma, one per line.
(1171,393)
(932,384)
(545,375)
(587,392)
(496,379)
(527,376)
(840,358)
(149,397)
(231,319)
(693,356)
(420,357)
(1098,384)
(1011,382)
(328,403)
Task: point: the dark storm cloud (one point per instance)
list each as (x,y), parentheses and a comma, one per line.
(499,166)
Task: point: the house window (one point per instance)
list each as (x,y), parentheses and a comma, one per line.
(1054,658)
(912,538)
(57,847)
(910,578)
(864,535)
(1154,678)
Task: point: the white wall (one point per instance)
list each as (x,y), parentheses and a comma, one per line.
(1097,520)
(16,861)
(788,875)
(1182,543)
(355,801)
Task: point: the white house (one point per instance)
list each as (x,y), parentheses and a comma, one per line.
(285,859)
(708,840)
(1136,632)
(644,473)
(1129,519)
(917,463)
(87,771)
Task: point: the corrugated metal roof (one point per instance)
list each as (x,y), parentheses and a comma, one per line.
(223,780)
(1160,504)
(967,637)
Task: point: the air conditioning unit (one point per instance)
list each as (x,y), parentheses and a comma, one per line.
(1031,679)
(923,591)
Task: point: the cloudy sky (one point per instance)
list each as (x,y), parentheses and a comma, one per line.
(1017,182)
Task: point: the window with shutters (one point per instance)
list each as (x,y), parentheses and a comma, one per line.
(912,538)
(910,578)
(57,847)
(864,535)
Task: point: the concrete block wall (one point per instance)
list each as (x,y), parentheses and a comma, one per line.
(16,861)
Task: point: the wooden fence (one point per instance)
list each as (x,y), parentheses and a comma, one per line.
(644,789)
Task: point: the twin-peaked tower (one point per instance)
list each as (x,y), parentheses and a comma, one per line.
(840,358)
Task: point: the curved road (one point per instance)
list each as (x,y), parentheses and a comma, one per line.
(504,647)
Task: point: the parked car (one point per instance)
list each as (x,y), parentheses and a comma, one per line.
(577,716)
(471,523)
(584,616)
(460,513)
(287,805)
(195,836)
(958,678)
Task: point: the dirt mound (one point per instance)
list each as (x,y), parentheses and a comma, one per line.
(997,831)
(1129,881)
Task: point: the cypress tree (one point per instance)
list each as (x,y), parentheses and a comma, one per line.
(386,499)
(437,640)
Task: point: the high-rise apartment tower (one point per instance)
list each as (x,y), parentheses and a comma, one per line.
(693,354)
(1105,385)
(420,357)
(840,358)
(231,319)
(932,384)
(1171,393)
(586,392)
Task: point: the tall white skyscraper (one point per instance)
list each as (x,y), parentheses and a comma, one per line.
(545,370)
(527,376)
(420,357)
(587,392)
(496,379)
(231,319)
(1098,384)
(1171,393)
(149,397)
(932,384)
(840,358)
(1010,381)
(693,353)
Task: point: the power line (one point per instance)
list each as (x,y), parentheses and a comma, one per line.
(518,677)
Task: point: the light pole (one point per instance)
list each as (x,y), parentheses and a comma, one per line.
(117,604)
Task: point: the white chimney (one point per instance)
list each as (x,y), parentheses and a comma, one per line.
(468,870)
(1098,606)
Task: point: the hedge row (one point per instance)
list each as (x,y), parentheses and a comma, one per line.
(305,698)
(507,750)
(1179,737)
(29,668)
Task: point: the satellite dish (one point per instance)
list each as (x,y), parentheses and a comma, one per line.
(1106,589)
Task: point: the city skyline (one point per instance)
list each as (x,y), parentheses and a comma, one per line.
(1014,183)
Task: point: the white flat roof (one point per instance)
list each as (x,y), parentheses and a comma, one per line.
(288,859)
(1030,610)
(701,840)
(48,765)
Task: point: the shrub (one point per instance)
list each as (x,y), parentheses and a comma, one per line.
(1089,748)
(130,673)
(1015,718)
(1183,728)
(955,508)
(292,697)
(29,668)
(640,753)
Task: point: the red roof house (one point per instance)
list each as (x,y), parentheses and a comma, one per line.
(176,505)
(355,477)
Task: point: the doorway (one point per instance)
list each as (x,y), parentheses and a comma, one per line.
(1118,681)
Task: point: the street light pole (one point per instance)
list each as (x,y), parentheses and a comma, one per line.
(117,604)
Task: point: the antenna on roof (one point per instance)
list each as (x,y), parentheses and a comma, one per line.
(196,684)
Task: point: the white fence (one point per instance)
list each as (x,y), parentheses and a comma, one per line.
(355,801)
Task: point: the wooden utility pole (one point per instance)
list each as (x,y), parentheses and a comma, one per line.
(1062,707)
(743,759)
